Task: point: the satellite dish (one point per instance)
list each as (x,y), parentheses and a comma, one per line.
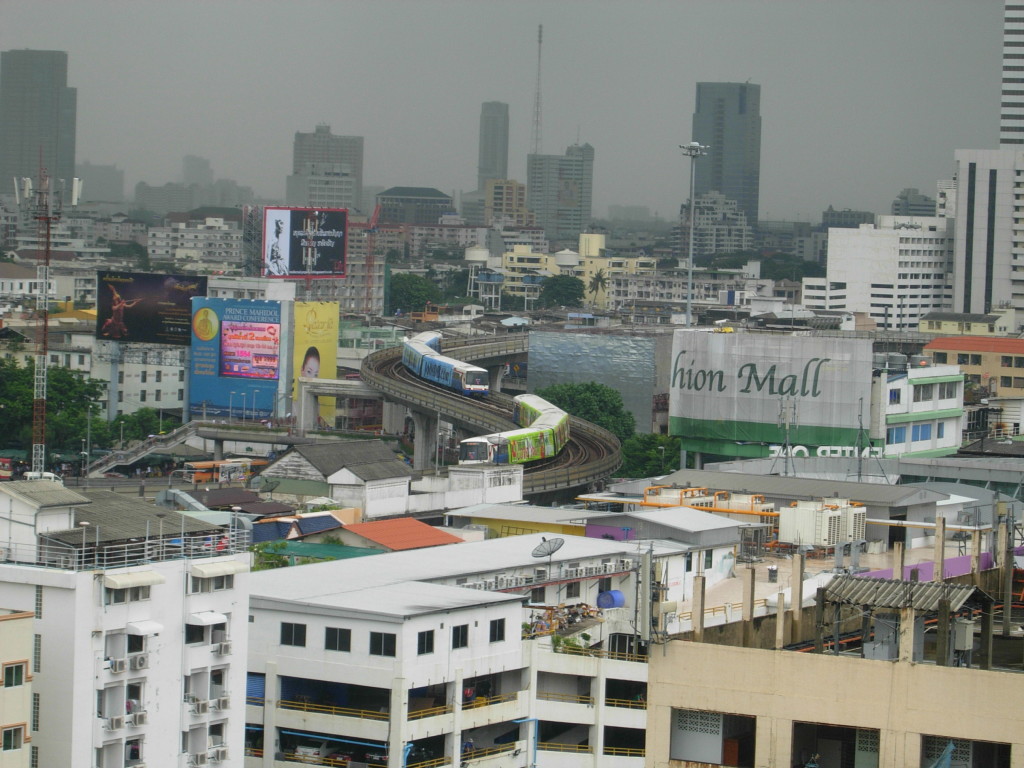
(547,547)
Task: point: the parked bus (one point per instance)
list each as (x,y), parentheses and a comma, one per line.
(6,468)
(224,471)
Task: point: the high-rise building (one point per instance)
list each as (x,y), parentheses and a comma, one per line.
(728,121)
(322,148)
(100,183)
(1011,116)
(910,202)
(989,194)
(493,157)
(196,170)
(37,116)
(560,191)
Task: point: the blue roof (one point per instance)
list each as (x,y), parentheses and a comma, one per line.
(271,531)
(308,525)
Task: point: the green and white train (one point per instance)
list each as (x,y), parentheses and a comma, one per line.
(545,431)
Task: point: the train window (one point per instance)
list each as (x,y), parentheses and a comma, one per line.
(473,451)
(477,377)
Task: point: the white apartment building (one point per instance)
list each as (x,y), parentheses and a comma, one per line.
(720,226)
(17,715)
(212,245)
(895,271)
(989,256)
(140,620)
(920,410)
(323,185)
(443,656)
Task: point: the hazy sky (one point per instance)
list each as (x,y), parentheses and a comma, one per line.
(859,98)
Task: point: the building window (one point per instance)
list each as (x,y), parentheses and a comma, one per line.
(896,435)
(338,639)
(497,630)
(708,555)
(39,602)
(14,674)
(604,585)
(1005,381)
(142,377)
(159,376)
(975,359)
(37,652)
(293,634)
(425,642)
(382,644)
(194,633)
(460,636)
(126,595)
(894,397)
(948,390)
(572,589)
(12,738)
(1006,361)
(940,430)
(921,432)
(142,396)
(537,595)
(35,711)
(940,357)
(923,393)
(211,584)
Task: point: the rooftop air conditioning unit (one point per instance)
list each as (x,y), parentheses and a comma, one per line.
(139,718)
(118,665)
(224,648)
(200,707)
(115,723)
(139,662)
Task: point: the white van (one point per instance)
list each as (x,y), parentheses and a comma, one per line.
(43,476)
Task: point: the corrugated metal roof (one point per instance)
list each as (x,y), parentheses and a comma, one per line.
(367,459)
(977,344)
(894,594)
(114,516)
(316,523)
(45,493)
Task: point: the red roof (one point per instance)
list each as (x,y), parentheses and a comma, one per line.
(977,344)
(402,533)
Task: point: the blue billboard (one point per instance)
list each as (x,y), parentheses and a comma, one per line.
(236,358)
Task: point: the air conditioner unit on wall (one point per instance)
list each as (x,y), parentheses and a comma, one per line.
(140,661)
(115,723)
(224,702)
(139,718)
(224,648)
(118,665)
(200,707)
(199,759)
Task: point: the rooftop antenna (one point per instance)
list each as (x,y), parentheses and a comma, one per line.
(787,420)
(547,548)
(535,139)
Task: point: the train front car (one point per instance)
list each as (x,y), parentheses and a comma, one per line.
(473,380)
(545,431)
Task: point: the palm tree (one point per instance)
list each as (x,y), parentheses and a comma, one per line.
(598,282)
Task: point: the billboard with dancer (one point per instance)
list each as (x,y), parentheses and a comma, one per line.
(304,242)
(145,308)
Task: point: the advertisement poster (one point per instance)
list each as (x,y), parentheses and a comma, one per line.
(145,308)
(304,242)
(316,349)
(236,358)
(737,394)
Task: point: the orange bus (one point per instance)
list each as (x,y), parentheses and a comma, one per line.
(223,471)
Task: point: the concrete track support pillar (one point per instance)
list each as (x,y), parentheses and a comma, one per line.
(425,442)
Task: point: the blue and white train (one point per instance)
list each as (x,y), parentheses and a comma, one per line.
(422,355)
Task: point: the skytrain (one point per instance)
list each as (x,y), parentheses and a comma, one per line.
(545,431)
(422,355)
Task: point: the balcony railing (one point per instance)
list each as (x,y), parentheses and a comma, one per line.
(444,760)
(640,703)
(550,746)
(323,709)
(254,701)
(474,754)
(625,751)
(294,757)
(487,701)
(602,654)
(566,697)
(419,714)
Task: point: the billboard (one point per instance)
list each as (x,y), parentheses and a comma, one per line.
(315,354)
(236,358)
(304,242)
(736,394)
(145,308)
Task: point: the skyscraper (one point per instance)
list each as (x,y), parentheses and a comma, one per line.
(37,116)
(1011,116)
(322,149)
(728,121)
(559,191)
(493,157)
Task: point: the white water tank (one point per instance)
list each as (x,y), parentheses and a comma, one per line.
(567,258)
(477,254)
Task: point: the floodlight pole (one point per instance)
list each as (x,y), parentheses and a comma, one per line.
(693,150)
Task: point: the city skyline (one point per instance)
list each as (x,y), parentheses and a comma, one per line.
(855,108)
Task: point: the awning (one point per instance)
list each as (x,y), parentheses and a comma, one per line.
(207,618)
(144,627)
(223,568)
(134,579)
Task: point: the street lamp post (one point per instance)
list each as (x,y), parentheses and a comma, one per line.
(243,394)
(252,408)
(231,405)
(693,150)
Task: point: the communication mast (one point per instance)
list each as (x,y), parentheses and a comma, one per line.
(46,209)
(535,141)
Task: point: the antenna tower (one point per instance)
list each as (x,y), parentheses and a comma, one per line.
(535,139)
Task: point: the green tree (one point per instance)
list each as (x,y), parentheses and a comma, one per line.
(647,455)
(561,291)
(411,293)
(598,282)
(596,403)
(131,250)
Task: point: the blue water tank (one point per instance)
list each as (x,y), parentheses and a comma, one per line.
(613,598)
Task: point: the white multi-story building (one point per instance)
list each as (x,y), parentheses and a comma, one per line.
(1011,117)
(720,226)
(212,245)
(989,256)
(140,628)
(920,410)
(17,720)
(430,657)
(896,271)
